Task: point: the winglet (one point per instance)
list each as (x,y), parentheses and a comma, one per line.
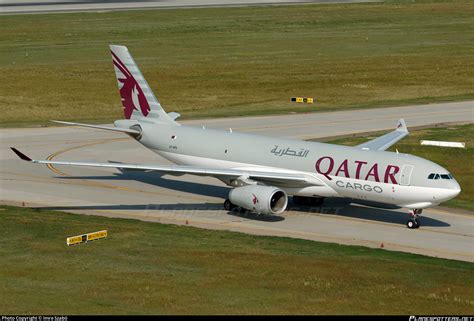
(21,155)
(402,126)
(387,140)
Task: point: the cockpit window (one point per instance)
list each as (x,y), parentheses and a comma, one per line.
(438,176)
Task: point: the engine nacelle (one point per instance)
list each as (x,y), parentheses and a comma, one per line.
(259,199)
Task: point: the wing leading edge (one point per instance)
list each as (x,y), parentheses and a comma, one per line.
(387,140)
(256,175)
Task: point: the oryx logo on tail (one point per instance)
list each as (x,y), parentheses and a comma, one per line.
(130,91)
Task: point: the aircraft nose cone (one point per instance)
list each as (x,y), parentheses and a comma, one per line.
(454,190)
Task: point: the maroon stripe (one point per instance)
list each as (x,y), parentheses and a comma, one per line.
(120,65)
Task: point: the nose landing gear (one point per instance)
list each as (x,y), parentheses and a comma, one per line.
(414,221)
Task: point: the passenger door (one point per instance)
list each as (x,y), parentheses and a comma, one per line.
(406,174)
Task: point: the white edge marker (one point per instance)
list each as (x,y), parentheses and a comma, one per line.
(442,144)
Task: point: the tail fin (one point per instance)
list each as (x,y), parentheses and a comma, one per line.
(137,98)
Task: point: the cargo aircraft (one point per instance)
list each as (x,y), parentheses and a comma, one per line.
(263,171)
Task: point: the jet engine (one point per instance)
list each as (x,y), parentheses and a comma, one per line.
(259,199)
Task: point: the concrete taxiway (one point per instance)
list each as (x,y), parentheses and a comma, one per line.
(48,6)
(197,201)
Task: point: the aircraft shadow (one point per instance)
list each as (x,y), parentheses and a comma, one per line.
(199,207)
(331,206)
(156,179)
(184,209)
(344,207)
(256,217)
(193,209)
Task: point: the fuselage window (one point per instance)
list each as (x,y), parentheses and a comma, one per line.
(431,176)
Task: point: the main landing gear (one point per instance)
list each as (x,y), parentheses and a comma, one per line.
(228,206)
(414,221)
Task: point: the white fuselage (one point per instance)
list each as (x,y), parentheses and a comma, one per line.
(375,176)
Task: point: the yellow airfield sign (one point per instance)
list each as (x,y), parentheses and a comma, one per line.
(307,100)
(84,238)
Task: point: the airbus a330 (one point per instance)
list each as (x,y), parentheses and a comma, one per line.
(271,169)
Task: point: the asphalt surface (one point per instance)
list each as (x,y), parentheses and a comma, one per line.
(197,201)
(47,6)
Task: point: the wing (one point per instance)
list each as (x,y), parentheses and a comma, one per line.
(243,175)
(387,140)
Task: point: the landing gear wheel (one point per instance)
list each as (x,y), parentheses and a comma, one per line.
(411,223)
(414,221)
(417,223)
(228,206)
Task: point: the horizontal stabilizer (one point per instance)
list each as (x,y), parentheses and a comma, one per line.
(173,115)
(129,131)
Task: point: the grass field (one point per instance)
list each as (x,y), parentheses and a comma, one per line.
(460,162)
(238,61)
(149,268)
